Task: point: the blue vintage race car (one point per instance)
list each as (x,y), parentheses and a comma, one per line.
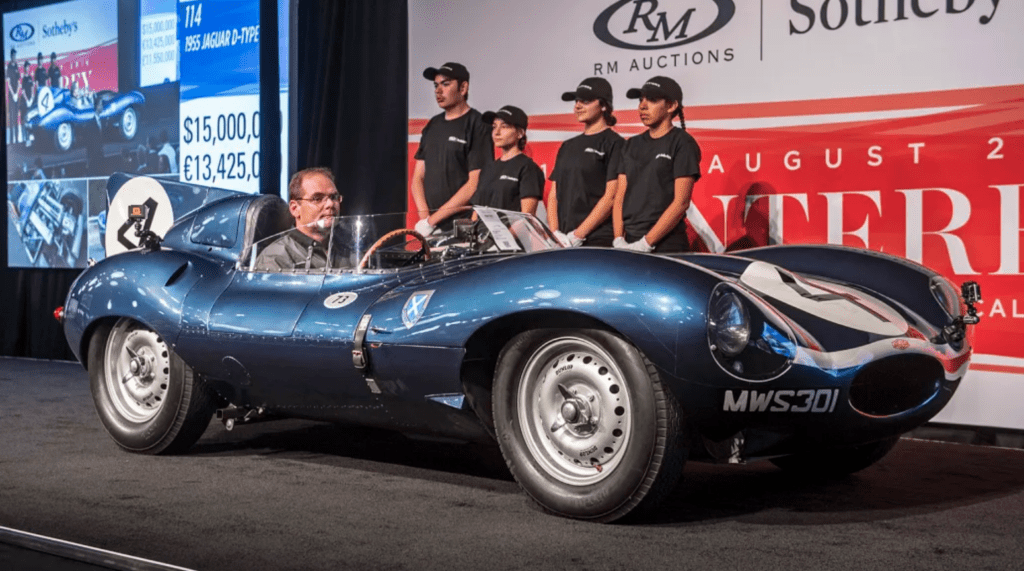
(59,112)
(599,372)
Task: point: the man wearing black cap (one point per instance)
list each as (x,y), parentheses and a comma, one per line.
(454,146)
(13,83)
(40,72)
(585,176)
(26,101)
(53,72)
(658,170)
(514,181)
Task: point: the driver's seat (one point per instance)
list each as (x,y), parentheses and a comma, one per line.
(266,216)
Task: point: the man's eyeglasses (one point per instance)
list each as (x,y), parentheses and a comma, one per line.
(321,198)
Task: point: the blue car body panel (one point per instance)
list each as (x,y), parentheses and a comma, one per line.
(433,331)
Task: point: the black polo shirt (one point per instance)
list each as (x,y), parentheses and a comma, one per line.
(503,184)
(583,167)
(651,167)
(54,72)
(450,149)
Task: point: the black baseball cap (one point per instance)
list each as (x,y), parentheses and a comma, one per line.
(658,87)
(456,71)
(589,89)
(512,115)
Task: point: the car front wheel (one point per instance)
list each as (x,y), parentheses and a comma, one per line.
(148,399)
(64,136)
(585,424)
(129,124)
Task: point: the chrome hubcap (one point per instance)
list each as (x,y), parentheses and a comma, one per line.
(128,123)
(64,135)
(575,410)
(138,371)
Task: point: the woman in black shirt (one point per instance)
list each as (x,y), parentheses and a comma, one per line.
(513,181)
(656,176)
(585,176)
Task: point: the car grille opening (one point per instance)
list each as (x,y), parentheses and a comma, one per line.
(896,384)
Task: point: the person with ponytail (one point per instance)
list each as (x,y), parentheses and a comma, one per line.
(513,181)
(585,176)
(656,175)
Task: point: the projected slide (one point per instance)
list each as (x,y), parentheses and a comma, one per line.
(164,88)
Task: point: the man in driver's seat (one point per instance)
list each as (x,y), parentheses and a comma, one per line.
(313,201)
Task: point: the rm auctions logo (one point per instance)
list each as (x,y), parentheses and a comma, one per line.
(659,24)
(22,32)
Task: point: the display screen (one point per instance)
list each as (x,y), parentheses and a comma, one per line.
(165,88)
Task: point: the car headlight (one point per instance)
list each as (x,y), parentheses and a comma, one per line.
(729,325)
(746,336)
(946,295)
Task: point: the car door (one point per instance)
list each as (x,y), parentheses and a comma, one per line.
(327,330)
(252,325)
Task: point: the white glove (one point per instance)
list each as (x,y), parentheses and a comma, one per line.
(620,243)
(425,228)
(562,239)
(574,240)
(640,245)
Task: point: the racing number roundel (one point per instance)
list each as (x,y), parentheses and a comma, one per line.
(142,190)
(340,299)
(45,101)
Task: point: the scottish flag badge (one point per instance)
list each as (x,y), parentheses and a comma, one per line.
(415,306)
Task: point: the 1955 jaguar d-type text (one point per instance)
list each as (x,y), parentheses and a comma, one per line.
(599,372)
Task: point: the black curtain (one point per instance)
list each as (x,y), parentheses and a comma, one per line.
(350,90)
(353,98)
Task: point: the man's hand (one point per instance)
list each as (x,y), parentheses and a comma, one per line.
(425,228)
(620,243)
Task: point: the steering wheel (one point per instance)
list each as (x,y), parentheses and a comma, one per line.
(423,253)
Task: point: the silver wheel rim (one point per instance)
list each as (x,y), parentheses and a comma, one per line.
(128,123)
(575,410)
(137,373)
(64,136)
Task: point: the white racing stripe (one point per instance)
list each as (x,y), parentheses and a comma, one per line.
(766,279)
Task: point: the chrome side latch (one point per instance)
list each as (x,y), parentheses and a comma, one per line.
(359,357)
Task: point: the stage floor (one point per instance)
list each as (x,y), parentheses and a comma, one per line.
(302,495)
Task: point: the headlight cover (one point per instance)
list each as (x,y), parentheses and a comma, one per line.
(745,336)
(728,325)
(947,296)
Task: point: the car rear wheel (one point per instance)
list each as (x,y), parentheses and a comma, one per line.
(64,136)
(129,124)
(148,399)
(585,424)
(836,462)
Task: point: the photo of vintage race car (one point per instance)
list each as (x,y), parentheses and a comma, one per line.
(598,372)
(59,114)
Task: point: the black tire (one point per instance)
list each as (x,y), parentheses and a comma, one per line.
(585,425)
(148,399)
(837,462)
